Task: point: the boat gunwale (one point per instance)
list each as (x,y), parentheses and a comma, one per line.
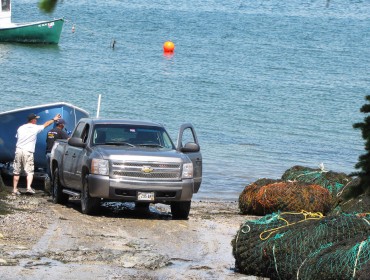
(43,106)
(27,24)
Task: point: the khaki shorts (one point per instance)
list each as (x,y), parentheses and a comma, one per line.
(23,160)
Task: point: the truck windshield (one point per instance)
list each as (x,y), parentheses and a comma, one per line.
(129,135)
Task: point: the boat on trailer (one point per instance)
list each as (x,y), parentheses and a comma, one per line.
(40,32)
(11,120)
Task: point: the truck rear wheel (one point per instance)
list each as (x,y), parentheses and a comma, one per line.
(89,205)
(180,209)
(57,190)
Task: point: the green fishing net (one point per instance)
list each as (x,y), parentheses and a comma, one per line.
(330,180)
(348,259)
(283,245)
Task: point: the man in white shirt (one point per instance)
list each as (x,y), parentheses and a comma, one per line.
(25,148)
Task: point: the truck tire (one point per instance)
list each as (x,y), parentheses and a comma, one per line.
(89,205)
(57,190)
(180,209)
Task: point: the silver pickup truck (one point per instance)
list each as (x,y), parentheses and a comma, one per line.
(129,161)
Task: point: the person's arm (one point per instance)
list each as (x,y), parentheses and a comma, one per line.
(57,117)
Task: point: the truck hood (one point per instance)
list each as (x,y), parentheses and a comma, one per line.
(140,154)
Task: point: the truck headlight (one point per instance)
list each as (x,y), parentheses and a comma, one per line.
(187,170)
(100,166)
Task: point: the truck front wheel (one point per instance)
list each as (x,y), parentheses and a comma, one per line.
(57,190)
(180,209)
(89,205)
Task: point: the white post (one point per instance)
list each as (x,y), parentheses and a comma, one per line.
(97,112)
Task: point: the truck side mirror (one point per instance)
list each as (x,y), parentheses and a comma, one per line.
(190,147)
(76,142)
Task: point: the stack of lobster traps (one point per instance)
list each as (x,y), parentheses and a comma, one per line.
(308,231)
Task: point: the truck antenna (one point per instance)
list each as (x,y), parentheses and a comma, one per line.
(98,110)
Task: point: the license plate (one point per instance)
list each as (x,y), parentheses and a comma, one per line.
(147,196)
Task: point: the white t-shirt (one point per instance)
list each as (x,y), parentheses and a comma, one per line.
(27,136)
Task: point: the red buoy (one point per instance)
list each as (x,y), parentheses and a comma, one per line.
(168,47)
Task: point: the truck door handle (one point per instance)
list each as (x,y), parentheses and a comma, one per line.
(74,155)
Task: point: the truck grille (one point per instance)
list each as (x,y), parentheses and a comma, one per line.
(146,170)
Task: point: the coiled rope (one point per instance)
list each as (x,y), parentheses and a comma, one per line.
(307,216)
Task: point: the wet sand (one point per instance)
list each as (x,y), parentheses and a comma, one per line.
(42,240)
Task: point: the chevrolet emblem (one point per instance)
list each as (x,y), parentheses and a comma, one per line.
(147,169)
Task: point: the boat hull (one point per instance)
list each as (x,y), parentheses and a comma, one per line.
(11,120)
(43,32)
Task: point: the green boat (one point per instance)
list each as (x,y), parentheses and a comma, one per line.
(41,32)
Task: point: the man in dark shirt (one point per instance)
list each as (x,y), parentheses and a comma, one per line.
(57,132)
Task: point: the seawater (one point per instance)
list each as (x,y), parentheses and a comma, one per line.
(267,84)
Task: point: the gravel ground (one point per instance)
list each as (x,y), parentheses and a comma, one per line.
(42,240)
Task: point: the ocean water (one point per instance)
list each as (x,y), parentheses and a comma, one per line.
(267,84)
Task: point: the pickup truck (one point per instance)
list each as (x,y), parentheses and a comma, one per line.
(128,161)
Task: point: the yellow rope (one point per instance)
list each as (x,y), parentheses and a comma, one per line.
(307,216)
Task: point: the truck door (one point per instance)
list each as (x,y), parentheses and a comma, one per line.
(188,136)
(72,156)
(79,154)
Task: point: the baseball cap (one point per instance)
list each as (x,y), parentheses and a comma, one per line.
(32,116)
(60,121)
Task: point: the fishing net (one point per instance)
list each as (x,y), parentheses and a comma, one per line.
(279,245)
(343,260)
(350,201)
(360,204)
(330,180)
(260,199)
(349,190)
(247,200)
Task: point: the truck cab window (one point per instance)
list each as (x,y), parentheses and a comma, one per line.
(100,137)
(85,134)
(81,131)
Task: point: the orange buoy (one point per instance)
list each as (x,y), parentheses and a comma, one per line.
(168,47)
